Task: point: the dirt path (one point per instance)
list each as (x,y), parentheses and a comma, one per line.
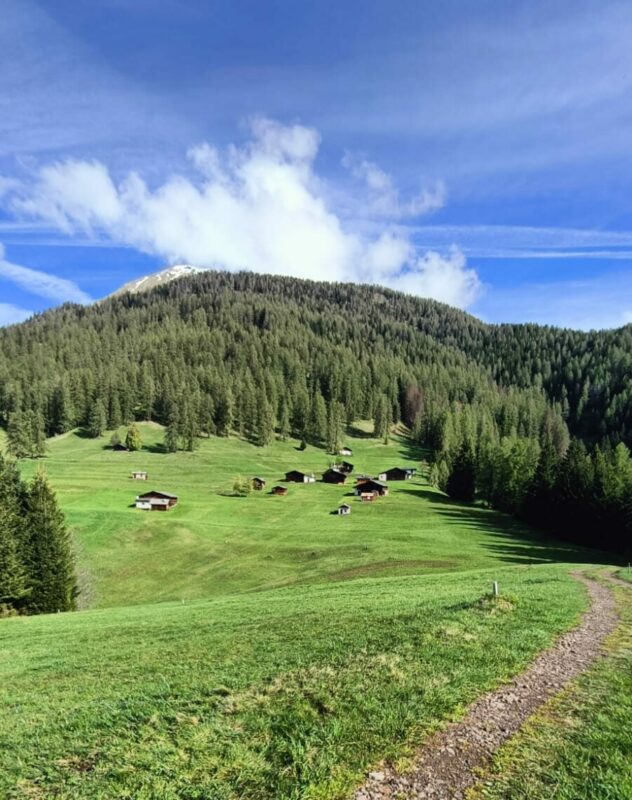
(610,576)
(447,764)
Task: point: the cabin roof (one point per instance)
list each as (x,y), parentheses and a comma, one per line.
(166,495)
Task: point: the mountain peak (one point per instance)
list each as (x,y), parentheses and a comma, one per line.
(148,282)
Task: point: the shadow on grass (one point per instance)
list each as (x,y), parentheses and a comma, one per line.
(511,540)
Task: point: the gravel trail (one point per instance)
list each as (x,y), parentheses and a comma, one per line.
(447,765)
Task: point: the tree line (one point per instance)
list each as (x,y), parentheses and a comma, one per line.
(37,573)
(534,470)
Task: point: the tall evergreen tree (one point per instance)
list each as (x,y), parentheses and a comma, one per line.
(97,420)
(50,560)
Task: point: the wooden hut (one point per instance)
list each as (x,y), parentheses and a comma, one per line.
(371,486)
(396,474)
(346,467)
(344,509)
(156,501)
(296,476)
(279,490)
(139,475)
(258,483)
(345,451)
(334,476)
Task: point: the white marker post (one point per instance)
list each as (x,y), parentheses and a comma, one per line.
(495,588)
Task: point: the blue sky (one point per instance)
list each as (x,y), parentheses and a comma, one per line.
(477,152)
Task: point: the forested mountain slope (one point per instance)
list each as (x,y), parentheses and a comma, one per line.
(224,340)
(264,356)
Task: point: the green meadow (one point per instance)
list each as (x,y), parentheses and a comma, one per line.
(262,647)
(213,544)
(280,694)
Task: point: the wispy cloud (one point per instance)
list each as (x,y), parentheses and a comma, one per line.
(603,302)
(259,206)
(382,198)
(10,314)
(40,283)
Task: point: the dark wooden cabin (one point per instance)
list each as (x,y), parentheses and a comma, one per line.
(396,474)
(371,487)
(279,490)
(296,476)
(334,476)
(258,483)
(346,467)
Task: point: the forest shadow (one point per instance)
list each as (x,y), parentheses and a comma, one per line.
(358,433)
(412,451)
(513,541)
(156,447)
(82,433)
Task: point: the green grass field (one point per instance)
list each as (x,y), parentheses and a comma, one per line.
(262,648)
(281,694)
(213,544)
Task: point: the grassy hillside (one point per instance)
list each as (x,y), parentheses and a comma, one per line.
(284,694)
(213,544)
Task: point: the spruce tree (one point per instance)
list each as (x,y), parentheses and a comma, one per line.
(97,420)
(50,559)
(19,435)
(265,424)
(13,575)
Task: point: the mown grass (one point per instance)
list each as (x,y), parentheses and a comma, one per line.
(213,544)
(580,746)
(285,694)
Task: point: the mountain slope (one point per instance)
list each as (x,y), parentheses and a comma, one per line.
(214,332)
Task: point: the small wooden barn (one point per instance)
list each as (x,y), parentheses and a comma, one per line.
(296,476)
(344,509)
(279,490)
(139,475)
(345,451)
(334,476)
(367,497)
(258,483)
(377,488)
(396,474)
(156,501)
(346,467)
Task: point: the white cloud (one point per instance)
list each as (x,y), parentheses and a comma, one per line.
(383,198)
(40,283)
(10,314)
(260,206)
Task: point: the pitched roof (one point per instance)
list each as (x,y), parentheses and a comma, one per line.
(166,495)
